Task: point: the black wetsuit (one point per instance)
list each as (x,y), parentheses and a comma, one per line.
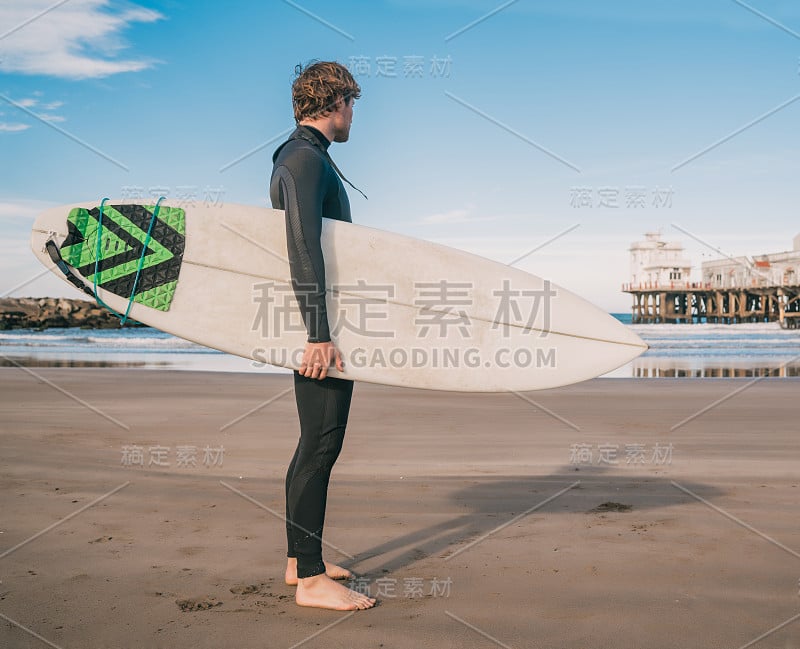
(305,185)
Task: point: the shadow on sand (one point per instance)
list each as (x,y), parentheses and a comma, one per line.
(490,503)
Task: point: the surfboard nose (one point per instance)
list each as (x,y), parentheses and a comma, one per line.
(634,339)
(625,335)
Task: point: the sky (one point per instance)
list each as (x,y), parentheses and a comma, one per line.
(558,132)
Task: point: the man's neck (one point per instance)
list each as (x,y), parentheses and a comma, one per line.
(324,126)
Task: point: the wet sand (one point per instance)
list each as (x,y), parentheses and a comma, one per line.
(576,517)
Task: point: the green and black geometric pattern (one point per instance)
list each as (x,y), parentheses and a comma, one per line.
(124,233)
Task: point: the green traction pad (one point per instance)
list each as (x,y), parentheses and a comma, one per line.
(124,233)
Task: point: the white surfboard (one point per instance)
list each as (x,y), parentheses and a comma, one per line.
(402,311)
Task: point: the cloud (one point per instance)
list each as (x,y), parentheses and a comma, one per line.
(13,127)
(461,215)
(18,265)
(22,209)
(453,216)
(31,103)
(55,119)
(79,39)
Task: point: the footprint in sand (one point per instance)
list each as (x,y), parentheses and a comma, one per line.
(197,603)
(273,601)
(611,507)
(250,589)
(246,590)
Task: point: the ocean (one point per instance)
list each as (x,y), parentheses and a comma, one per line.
(676,351)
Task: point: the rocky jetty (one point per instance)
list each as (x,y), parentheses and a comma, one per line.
(47,312)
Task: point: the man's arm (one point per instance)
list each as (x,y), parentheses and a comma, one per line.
(303,179)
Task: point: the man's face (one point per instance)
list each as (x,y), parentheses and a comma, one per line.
(342,119)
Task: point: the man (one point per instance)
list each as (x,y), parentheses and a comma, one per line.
(305,184)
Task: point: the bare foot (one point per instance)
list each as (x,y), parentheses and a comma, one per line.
(331,569)
(321,591)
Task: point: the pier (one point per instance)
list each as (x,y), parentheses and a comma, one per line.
(691,303)
(763,288)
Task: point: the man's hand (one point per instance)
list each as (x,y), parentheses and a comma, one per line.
(317,358)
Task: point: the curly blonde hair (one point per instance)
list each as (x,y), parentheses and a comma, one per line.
(318,86)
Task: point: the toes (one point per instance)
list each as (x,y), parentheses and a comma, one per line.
(337,572)
(365,602)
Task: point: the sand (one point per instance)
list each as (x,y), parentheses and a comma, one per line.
(478,520)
